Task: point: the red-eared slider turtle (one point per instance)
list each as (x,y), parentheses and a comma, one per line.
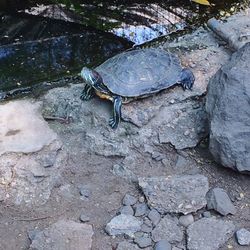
(134,74)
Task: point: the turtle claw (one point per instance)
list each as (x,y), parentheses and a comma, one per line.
(112,123)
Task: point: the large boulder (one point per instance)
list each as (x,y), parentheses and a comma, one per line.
(228,106)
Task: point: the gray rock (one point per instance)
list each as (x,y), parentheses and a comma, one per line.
(186,220)
(126,210)
(129,200)
(146,228)
(219,200)
(209,234)
(32,233)
(84,218)
(175,194)
(141,209)
(243,237)
(85,191)
(143,242)
(124,245)
(123,224)
(125,173)
(64,233)
(207,214)
(229,113)
(154,216)
(167,229)
(163,245)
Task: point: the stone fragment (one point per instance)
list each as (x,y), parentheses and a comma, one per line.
(144,241)
(207,214)
(125,173)
(129,200)
(154,216)
(219,200)
(186,220)
(146,228)
(123,224)
(141,209)
(229,112)
(126,210)
(175,194)
(163,245)
(209,234)
(124,245)
(243,237)
(168,229)
(84,218)
(64,234)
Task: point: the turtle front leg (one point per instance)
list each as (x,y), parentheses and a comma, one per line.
(87,93)
(115,119)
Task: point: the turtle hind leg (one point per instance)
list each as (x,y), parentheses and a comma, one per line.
(87,93)
(187,79)
(115,119)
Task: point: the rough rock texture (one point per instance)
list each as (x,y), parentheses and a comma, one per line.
(26,132)
(228,107)
(167,229)
(123,224)
(175,194)
(219,200)
(243,237)
(124,245)
(64,234)
(163,245)
(209,234)
(31,157)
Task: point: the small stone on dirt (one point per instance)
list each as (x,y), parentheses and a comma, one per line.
(219,200)
(163,245)
(209,234)
(85,192)
(129,200)
(123,224)
(141,209)
(207,214)
(84,218)
(186,220)
(124,245)
(154,216)
(243,237)
(167,229)
(126,210)
(143,241)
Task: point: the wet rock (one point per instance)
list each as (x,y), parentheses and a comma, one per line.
(186,220)
(129,200)
(123,224)
(163,245)
(219,200)
(154,216)
(209,234)
(126,210)
(124,245)
(243,237)
(141,209)
(64,233)
(175,194)
(143,241)
(229,113)
(168,229)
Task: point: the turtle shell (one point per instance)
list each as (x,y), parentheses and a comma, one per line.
(140,72)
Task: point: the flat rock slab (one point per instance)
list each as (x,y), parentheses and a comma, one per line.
(23,129)
(175,194)
(209,234)
(64,234)
(124,224)
(167,229)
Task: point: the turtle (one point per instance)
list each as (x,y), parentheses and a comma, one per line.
(132,75)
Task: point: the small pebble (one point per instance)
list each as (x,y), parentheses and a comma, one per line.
(207,214)
(186,220)
(163,245)
(85,192)
(141,209)
(143,242)
(243,237)
(126,210)
(154,216)
(84,218)
(129,200)
(32,233)
(141,199)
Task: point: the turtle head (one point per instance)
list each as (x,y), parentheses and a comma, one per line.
(90,76)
